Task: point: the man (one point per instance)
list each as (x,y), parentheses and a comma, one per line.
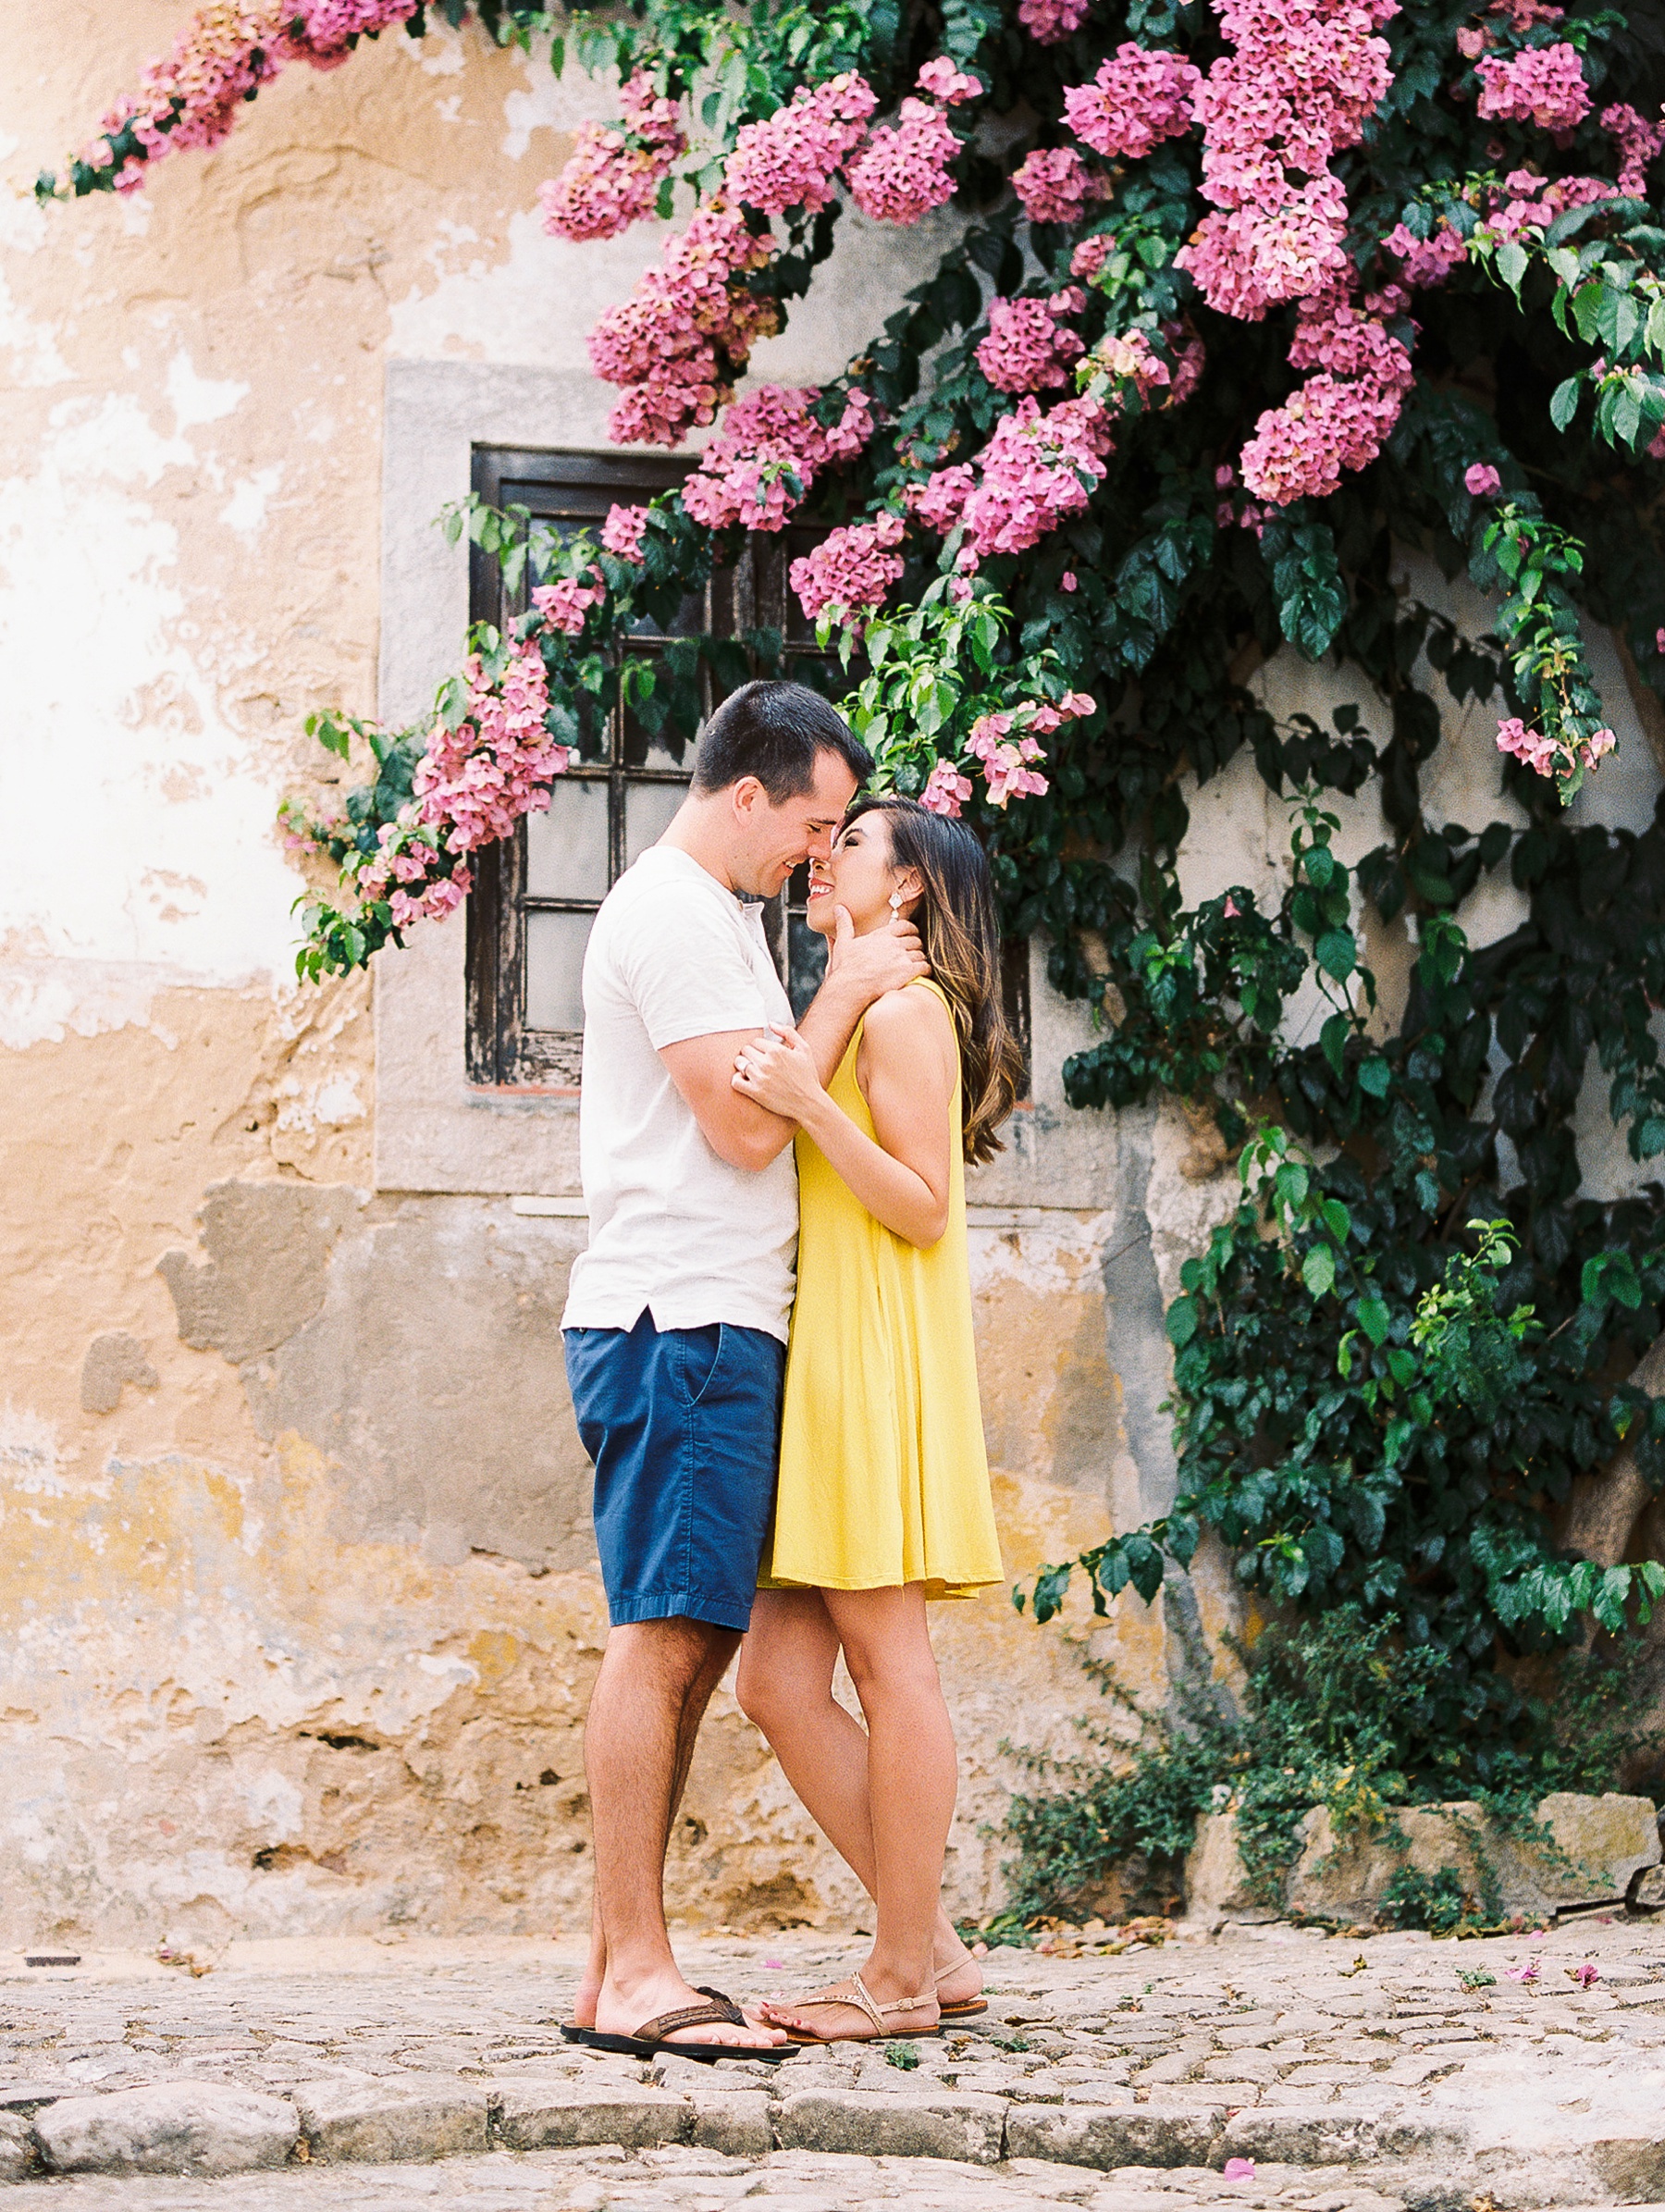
(676,1320)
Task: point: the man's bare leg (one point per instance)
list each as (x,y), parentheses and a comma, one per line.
(650,1674)
(688,1736)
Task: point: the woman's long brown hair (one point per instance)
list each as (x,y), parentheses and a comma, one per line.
(956,920)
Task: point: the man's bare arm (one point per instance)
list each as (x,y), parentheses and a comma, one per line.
(737,1129)
(859,970)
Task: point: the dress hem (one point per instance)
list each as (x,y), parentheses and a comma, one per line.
(937,1587)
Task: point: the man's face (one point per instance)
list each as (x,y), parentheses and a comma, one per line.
(775,840)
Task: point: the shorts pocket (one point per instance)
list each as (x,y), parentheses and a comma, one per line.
(701,1356)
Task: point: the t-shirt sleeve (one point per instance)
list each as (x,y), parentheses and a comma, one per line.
(686,974)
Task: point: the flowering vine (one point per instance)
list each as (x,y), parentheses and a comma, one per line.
(615,176)
(1238,301)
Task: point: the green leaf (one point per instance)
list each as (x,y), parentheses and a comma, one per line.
(1318,1270)
(1375,1075)
(1182,1322)
(1586,306)
(1564,401)
(1291,1183)
(1373,1320)
(1513,264)
(1336,953)
(1618,319)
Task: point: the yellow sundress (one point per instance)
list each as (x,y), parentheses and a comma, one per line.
(884,1480)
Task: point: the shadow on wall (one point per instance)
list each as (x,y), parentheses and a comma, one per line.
(417,1344)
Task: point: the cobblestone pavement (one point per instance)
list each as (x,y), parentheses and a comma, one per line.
(1353,2075)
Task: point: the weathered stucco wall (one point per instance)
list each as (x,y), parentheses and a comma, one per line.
(297,1608)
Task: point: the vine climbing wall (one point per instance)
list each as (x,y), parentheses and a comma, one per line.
(297,1601)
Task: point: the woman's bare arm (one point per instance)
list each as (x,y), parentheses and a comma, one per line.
(905,1068)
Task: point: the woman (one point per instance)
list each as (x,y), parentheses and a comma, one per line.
(884,1499)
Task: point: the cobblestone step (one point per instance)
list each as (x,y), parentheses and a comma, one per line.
(436,2064)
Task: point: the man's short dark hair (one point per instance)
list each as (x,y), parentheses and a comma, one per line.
(773,731)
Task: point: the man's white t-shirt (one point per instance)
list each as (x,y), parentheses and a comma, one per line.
(673,954)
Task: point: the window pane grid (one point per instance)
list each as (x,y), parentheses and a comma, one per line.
(536,893)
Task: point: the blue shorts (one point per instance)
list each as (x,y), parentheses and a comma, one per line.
(685,1427)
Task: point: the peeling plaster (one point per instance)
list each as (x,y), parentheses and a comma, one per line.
(299,1610)
(79,884)
(246,512)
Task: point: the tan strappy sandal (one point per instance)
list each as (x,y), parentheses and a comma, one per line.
(959,2007)
(862,2001)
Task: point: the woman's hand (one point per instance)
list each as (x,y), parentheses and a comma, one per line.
(779,1072)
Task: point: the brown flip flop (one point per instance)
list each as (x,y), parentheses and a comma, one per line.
(651,2039)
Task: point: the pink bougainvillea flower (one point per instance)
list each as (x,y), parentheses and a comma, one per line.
(1428,261)
(1525,1975)
(1338,420)
(852,568)
(1139,97)
(768,454)
(612,179)
(563,604)
(1539,754)
(1298,85)
(940,499)
(946,790)
(903,171)
(1586,1975)
(1659,640)
(622,532)
(1237,2170)
(322,31)
(477,781)
(1481,479)
(939,79)
(1542,84)
(1009,775)
(1034,470)
(220,59)
(1055,186)
(1066,582)
(1132,358)
(790,159)
(1049,22)
(1638,144)
(661,345)
(1031,346)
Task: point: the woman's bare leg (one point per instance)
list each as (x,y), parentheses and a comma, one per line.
(785,1685)
(909,1772)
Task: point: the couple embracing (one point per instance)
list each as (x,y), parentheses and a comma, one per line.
(807,1477)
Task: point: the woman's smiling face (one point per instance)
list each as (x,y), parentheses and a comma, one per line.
(859,876)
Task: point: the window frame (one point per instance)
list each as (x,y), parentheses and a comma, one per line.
(502,1053)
